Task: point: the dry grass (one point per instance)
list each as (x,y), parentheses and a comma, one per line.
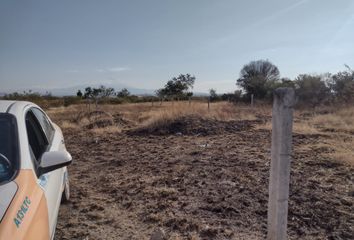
(305,128)
(336,124)
(221,111)
(105,130)
(343,151)
(341,120)
(68,125)
(144,114)
(341,146)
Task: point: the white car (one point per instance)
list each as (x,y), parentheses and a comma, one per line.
(33,174)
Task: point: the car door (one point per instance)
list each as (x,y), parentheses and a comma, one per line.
(52,182)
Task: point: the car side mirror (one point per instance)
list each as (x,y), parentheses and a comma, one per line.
(51,161)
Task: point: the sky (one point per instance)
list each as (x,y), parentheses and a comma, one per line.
(142,44)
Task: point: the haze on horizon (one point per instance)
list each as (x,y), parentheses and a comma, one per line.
(142,44)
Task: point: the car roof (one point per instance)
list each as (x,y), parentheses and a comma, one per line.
(6,105)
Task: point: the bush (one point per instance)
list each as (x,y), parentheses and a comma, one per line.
(342,86)
(312,90)
(70,100)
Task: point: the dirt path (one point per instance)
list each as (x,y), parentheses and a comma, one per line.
(199,187)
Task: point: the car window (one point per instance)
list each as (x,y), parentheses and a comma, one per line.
(44,122)
(8,147)
(36,137)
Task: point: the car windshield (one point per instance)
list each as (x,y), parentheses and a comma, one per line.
(8,147)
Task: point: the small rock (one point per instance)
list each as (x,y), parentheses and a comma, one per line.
(204,145)
(158,234)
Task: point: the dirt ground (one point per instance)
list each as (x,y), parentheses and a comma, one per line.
(199,179)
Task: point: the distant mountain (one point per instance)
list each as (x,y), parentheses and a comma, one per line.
(71,91)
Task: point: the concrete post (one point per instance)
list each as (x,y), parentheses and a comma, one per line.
(282,122)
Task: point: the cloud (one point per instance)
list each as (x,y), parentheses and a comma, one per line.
(113,69)
(118,69)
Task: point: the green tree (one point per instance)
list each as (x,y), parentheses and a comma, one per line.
(342,86)
(79,94)
(177,87)
(213,95)
(258,78)
(124,93)
(312,90)
(88,93)
(99,93)
(236,96)
(105,92)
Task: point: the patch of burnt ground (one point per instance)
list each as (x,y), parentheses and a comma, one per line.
(193,125)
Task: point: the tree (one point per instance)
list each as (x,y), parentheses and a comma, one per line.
(101,92)
(105,92)
(79,94)
(286,82)
(124,93)
(312,89)
(342,86)
(213,95)
(177,87)
(258,78)
(236,96)
(88,93)
(98,93)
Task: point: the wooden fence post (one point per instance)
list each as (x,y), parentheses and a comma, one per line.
(208,103)
(251,100)
(282,122)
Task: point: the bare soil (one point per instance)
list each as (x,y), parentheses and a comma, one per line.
(199,179)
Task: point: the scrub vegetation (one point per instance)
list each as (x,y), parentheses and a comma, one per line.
(187,172)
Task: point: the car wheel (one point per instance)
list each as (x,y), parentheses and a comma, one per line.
(66,193)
